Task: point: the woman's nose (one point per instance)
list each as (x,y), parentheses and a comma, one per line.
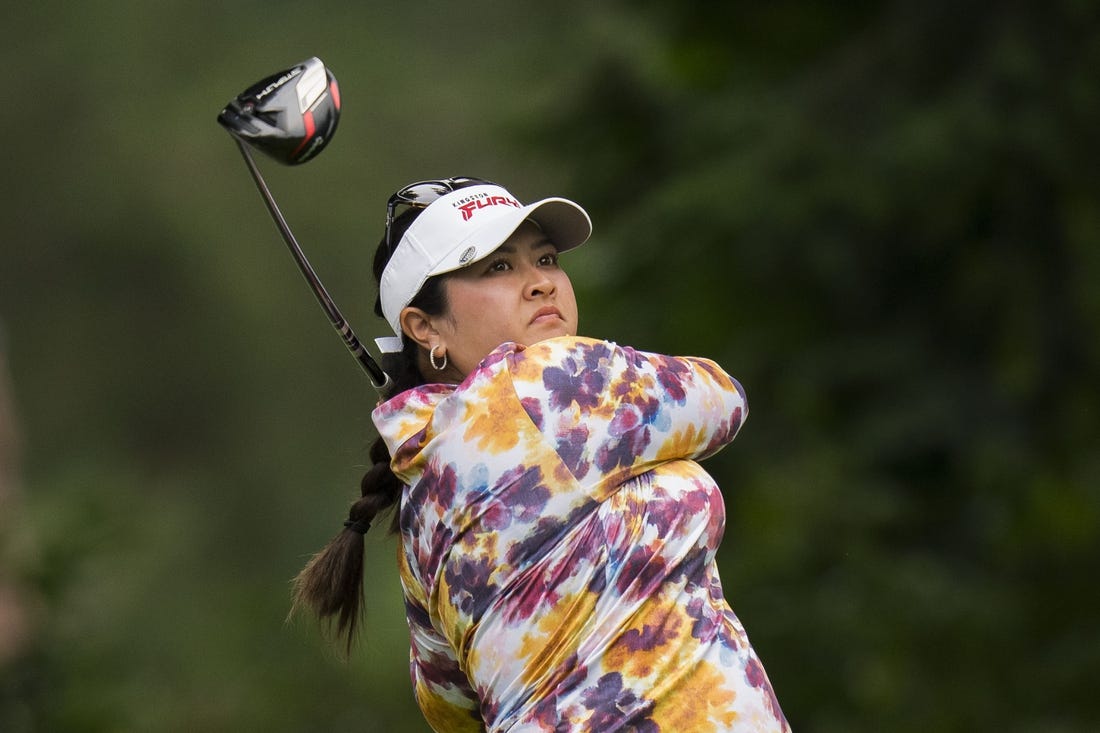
(538,283)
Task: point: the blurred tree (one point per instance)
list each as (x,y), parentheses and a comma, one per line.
(15,594)
(12,621)
(883,220)
(881,217)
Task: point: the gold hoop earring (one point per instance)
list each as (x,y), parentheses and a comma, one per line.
(431,358)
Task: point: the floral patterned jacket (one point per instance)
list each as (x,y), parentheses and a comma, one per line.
(558,541)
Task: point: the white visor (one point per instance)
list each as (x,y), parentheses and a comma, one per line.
(461,228)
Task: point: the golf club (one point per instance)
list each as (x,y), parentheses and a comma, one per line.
(291,116)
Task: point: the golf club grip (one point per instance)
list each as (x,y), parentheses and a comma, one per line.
(378,378)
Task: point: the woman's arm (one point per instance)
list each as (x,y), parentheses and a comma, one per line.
(442,690)
(613,409)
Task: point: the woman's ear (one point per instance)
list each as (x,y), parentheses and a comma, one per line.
(417,325)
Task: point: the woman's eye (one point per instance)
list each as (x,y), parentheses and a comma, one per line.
(499,266)
(549,259)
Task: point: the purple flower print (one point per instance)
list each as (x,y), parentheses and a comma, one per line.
(617,709)
(566,387)
(442,483)
(572,447)
(672,374)
(649,637)
(533,409)
(470,589)
(538,543)
(526,493)
(642,571)
(417,615)
(705,625)
(581,377)
(754,673)
(546,713)
(441,670)
(624,451)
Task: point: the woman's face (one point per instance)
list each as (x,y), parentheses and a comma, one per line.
(518,293)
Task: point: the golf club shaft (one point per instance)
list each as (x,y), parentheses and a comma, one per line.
(378,378)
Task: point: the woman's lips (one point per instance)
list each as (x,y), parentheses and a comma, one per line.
(546,313)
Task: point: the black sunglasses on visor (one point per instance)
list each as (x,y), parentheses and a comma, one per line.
(422,193)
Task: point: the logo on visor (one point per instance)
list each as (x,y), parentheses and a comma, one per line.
(467,255)
(468,209)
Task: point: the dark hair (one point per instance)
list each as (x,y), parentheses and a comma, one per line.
(331,584)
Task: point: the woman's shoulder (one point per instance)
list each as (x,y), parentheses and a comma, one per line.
(569,347)
(572,353)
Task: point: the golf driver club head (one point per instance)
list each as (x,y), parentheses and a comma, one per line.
(290,116)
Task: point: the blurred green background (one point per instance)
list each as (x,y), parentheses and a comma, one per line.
(882,217)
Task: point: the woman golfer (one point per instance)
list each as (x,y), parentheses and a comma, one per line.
(557,533)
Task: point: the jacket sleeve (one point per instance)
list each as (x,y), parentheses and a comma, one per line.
(612,409)
(442,689)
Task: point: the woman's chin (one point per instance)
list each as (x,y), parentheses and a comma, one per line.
(542,331)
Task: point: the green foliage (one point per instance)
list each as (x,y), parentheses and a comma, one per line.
(882,220)
(885,243)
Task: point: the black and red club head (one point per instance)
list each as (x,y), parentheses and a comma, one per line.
(290,116)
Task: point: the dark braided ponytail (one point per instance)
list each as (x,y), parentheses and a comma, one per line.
(331,584)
